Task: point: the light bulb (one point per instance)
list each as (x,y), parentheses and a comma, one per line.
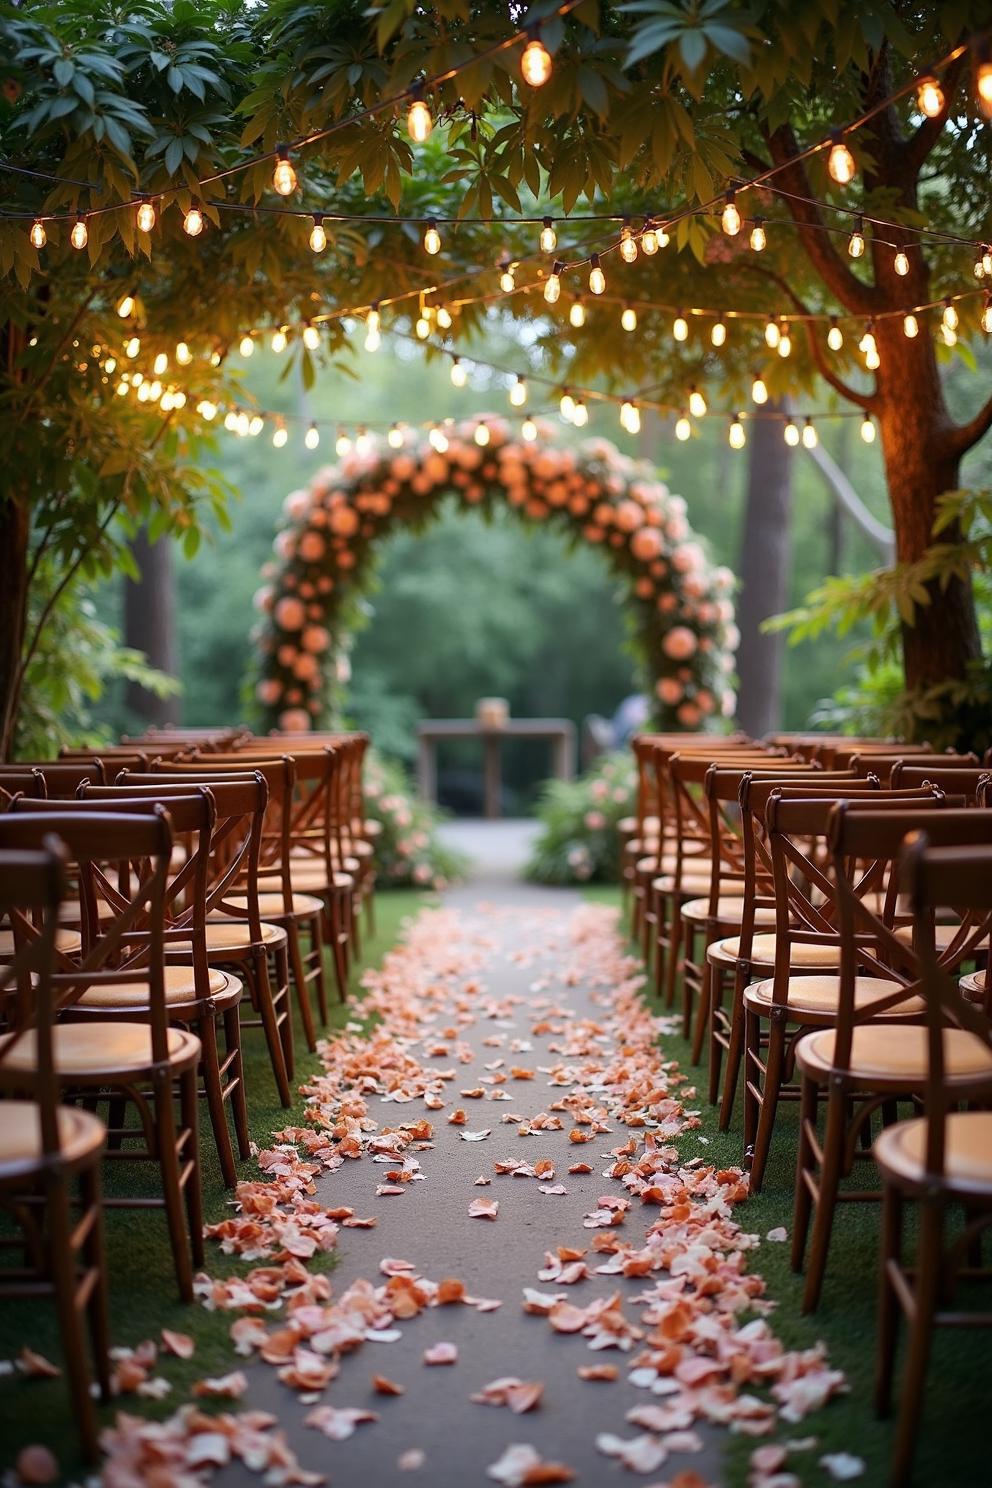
(255,427)
(730,221)
(950,316)
(867,341)
(125,305)
(363,441)
(759,392)
(146,216)
(697,403)
(901,263)
(983,85)
(549,238)
(422,328)
(759,238)
(856,242)
(110,365)
(791,433)
(244,424)
(528,430)
(459,376)
(649,238)
(193,220)
(680,327)
(80,234)
(318,237)
(566,406)
(482,435)
(279,435)
(980,262)
(581,415)
(630,417)
(284,176)
(948,334)
(183,354)
(131,347)
(207,410)
(552,285)
(507,282)
(597,279)
(373,340)
(736,435)
(987,260)
(418,121)
(312,437)
(987,317)
(535,63)
(840,162)
(279,340)
(835,336)
(772,333)
(929,97)
(577,313)
(230,421)
(395,438)
(810,436)
(628,318)
(443,317)
(785,344)
(872,359)
(311,337)
(342,444)
(628,245)
(122,389)
(718,335)
(246,346)
(683,428)
(910,326)
(518,392)
(160,364)
(38,235)
(438,439)
(432,238)
(867,430)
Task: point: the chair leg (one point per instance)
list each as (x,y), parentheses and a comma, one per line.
(889,1309)
(266,1011)
(239,1098)
(210,1067)
(315,958)
(337,947)
(370,908)
(674,951)
(94,1254)
(925,1293)
(830,1176)
(768,1105)
(702,1018)
(302,985)
(189,1104)
(805,1170)
(733,1070)
(168,1157)
(63,1264)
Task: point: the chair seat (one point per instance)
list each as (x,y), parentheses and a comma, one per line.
(228,935)
(973,986)
(69,941)
(93,1048)
(895,1053)
(692,883)
(356,848)
(900,1151)
(818,996)
(81,1135)
(179,987)
(270,905)
(729,910)
(943,935)
(312,877)
(763,952)
(649,865)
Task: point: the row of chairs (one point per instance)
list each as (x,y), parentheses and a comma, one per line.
(824,906)
(156,901)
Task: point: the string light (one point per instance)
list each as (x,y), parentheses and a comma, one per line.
(80,234)
(759,391)
(459,376)
(482,435)
(835,336)
(791,433)
(577,313)
(730,220)
(784,341)
(443,317)
(649,238)
(535,62)
(910,326)
(518,391)
(950,318)
(856,242)
(423,326)
(566,406)
(980,261)
(280,340)
(125,305)
(772,333)
(395,438)
(246,346)
(736,436)
(948,334)
(840,161)
(432,238)
(255,426)
(581,415)
(438,439)
(597,279)
(373,324)
(630,417)
(987,259)
(279,435)
(680,327)
(901,263)
(983,81)
(183,354)
(930,97)
(987,315)
(718,335)
(697,403)
(683,428)
(312,437)
(810,437)
(318,236)
(311,336)
(38,236)
(867,429)
(528,430)
(207,410)
(507,282)
(342,444)
(160,364)
(759,238)
(418,120)
(132,347)
(146,216)
(628,318)
(628,244)
(869,346)
(193,220)
(284,176)
(549,238)
(552,285)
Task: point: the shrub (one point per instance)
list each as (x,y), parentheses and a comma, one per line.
(579,819)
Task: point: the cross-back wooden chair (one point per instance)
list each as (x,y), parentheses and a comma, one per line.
(954,778)
(941,1161)
(25,780)
(882,764)
(835,751)
(63,777)
(866,1062)
(50,1154)
(113,1041)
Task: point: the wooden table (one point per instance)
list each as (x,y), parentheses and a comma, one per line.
(559,731)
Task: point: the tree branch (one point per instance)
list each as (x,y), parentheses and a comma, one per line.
(962,438)
(852,293)
(863,400)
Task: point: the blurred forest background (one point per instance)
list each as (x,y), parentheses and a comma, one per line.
(467,609)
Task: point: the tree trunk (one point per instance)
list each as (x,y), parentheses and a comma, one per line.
(15,527)
(764,571)
(149,625)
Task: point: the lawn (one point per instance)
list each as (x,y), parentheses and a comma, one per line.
(143,1296)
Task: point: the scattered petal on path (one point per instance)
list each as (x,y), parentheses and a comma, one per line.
(483,1208)
(521,1464)
(441,1353)
(179,1344)
(842,1467)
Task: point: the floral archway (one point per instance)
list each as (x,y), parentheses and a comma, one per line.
(680,603)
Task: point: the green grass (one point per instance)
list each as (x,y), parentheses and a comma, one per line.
(143,1297)
(953,1444)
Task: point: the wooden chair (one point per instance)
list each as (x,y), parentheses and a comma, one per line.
(942,1160)
(951,777)
(859,1067)
(48,1150)
(882,763)
(122,860)
(63,777)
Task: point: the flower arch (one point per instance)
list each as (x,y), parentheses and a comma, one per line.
(680,603)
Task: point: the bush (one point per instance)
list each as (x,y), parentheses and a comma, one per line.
(579,820)
(408,849)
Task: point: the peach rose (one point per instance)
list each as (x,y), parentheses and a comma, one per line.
(679,643)
(294,721)
(290,613)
